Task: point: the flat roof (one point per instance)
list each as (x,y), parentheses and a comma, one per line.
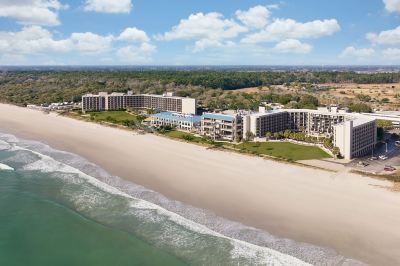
(218,116)
(178,117)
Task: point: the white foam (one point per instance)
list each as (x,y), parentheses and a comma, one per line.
(262,255)
(5,167)
(249,243)
(4,145)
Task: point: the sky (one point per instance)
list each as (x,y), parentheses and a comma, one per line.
(199,32)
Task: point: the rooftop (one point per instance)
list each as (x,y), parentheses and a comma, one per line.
(218,116)
(178,117)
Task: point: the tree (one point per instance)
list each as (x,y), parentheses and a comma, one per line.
(336,151)
(268,135)
(363,97)
(249,135)
(360,108)
(384,123)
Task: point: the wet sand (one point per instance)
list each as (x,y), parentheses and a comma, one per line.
(352,214)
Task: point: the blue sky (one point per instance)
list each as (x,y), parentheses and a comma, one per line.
(193,32)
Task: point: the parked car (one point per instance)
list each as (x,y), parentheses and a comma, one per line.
(363,164)
(383,157)
(389,168)
(373,158)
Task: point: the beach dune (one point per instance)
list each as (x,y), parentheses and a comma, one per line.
(357,216)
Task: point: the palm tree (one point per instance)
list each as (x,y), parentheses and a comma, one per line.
(268,135)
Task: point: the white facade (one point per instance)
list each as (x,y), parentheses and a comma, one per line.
(180,121)
(355,138)
(120,101)
(189,106)
(353,134)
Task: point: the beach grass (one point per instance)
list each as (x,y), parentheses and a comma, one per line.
(116,117)
(283,150)
(175,134)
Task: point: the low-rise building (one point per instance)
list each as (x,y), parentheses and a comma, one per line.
(180,121)
(220,126)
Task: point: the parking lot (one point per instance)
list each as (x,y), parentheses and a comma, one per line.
(391,151)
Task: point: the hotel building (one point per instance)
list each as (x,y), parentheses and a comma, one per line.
(180,121)
(353,134)
(220,126)
(120,101)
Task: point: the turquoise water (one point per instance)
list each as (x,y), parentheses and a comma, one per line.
(37,230)
(56,208)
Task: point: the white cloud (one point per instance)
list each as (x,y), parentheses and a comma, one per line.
(293,46)
(31,40)
(392,5)
(32,12)
(109,6)
(385,37)
(206,29)
(136,54)
(362,53)
(282,29)
(391,54)
(256,17)
(91,43)
(133,34)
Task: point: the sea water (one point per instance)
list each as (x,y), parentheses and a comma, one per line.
(56,208)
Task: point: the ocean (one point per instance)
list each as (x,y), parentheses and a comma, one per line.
(57,208)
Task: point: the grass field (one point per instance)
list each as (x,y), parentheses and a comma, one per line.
(116,117)
(283,150)
(184,136)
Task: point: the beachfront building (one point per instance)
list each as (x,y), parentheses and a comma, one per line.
(121,101)
(94,102)
(219,126)
(355,138)
(262,122)
(179,121)
(353,134)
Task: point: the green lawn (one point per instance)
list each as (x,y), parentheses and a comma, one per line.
(116,117)
(284,150)
(184,136)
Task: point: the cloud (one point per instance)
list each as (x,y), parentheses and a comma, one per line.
(133,34)
(362,53)
(391,54)
(256,17)
(282,29)
(35,40)
(108,6)
(292,46)
(136,54)
(31,40)
(32,12)
(392,5)
(210,29)
(91,43)
(385,37)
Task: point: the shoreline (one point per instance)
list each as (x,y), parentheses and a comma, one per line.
(303,204)
(210,147)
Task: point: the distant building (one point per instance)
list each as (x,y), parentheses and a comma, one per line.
(120,101)
(220,126)
(180,121)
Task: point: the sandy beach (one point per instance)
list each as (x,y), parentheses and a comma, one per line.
(357,216)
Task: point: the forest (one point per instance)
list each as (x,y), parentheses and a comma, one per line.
(37,87)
